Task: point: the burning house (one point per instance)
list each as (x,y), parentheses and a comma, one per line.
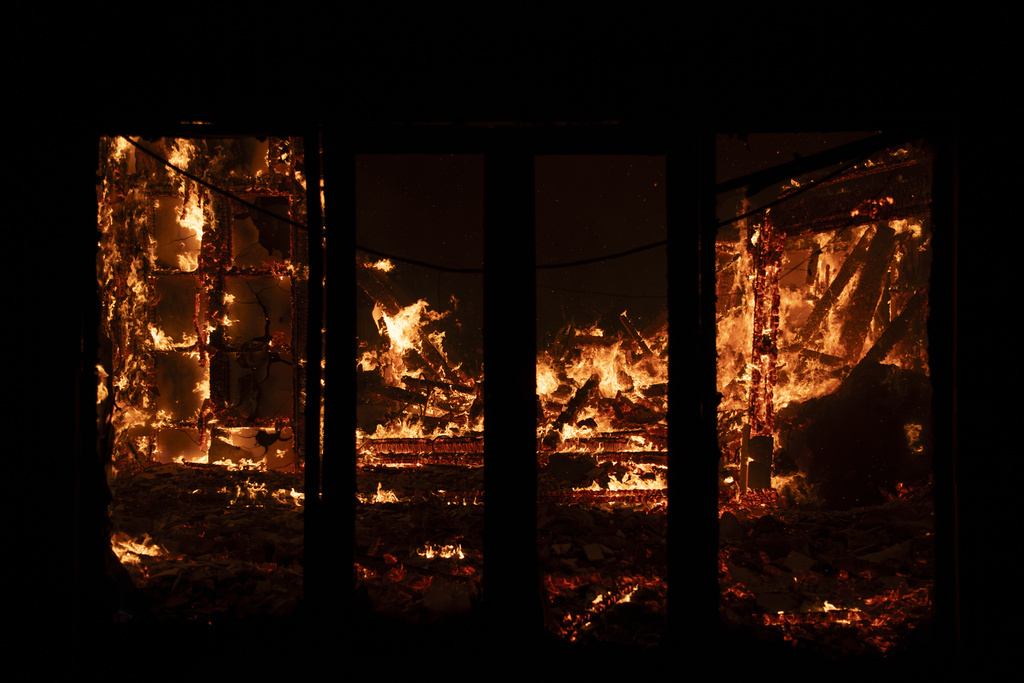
(527,465)
(202,273)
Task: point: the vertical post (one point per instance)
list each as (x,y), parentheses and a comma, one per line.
(693,397)
(942,351)
(315,577)
(511,579)
(91,494)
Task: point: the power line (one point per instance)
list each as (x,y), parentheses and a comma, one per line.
(214,188)
(415,262)
(541,266)
(598,259)
(403,259)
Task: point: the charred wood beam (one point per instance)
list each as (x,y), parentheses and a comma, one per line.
(765,347)
(838,220)
(801,165)
(635,334)
(431,384)
(577,402)
(424,445)
(419,459)
(899,329)
(821,309)
(632,497)
(860,197)
(397,394)
(864,299)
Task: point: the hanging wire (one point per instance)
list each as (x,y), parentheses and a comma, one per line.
(210,186)
(540,266)
(416,262)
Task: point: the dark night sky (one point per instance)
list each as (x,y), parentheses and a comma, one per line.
(430,208)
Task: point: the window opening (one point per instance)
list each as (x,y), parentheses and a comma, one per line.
(824,425)
(602,390)
(419,398)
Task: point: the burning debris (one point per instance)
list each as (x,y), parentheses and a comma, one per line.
(601,445)
(203,291)
(826,406)
(602,451)
(203,542)
(420,447)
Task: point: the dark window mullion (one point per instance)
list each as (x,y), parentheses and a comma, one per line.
(511,583)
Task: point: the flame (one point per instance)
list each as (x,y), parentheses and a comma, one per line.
(381,496)
(120,149)
(445,551)
(290,496)
(247,490)
(101,384)
(621,371)
(181,153)
(913,434)
(129,550)
(403,327)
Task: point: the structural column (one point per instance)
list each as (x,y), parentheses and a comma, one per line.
(511,583)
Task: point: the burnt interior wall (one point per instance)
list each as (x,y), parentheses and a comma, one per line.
(52,168)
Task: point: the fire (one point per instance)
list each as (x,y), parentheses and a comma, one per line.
(445,551)
(381,496)
(181,153)
(101,384)
(414,390)
(165,263)
(599,367)
(129,550)
(822,367)
(290,496)
(248,491)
